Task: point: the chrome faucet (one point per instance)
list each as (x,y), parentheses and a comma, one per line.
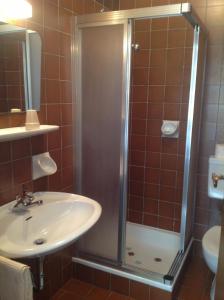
(216,178)
(26,199)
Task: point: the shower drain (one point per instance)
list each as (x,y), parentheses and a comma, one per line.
(157,259)
(39,241)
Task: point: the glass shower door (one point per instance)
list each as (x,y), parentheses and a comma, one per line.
(101,131)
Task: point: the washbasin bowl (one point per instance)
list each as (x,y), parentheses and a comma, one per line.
(210,247)
(42,229)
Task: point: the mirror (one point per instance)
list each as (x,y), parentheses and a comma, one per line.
(20,69)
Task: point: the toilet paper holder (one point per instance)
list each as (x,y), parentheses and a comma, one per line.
(43,165)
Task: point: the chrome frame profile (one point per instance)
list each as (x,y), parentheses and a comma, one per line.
(161,11)
(183,9)
(189,133)
(198,32)
(124,143)
(77,108)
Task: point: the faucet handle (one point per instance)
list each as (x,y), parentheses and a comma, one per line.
(216,178)
(27,196)
(24,190)
(30,195)
(19,200)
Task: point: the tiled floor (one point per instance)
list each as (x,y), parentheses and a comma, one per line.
(197,281)
(79,290)
(195,285)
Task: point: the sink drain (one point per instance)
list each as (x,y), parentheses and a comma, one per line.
(39,241)
(157,259)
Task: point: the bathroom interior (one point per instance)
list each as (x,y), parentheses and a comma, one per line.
(111,149)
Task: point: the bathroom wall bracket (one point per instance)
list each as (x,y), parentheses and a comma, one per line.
(43,165)
(16,133)
(170,129)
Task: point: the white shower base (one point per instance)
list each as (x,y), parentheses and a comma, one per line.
(150,248)
(147,243)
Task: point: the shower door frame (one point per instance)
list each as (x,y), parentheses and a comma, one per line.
(125,116)
(173,10)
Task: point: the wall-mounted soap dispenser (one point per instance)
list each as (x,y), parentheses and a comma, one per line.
(216,174)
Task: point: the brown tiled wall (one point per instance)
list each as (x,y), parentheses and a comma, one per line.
(52,19)
(11,73)
(160,89)
(58,270)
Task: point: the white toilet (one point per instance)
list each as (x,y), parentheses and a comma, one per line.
(210,247)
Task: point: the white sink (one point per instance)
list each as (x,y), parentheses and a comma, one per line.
(59,221)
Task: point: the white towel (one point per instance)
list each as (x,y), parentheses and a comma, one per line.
(15,280)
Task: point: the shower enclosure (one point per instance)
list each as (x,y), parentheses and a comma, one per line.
(133,70)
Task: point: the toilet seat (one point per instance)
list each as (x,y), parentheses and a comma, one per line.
(210,247)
